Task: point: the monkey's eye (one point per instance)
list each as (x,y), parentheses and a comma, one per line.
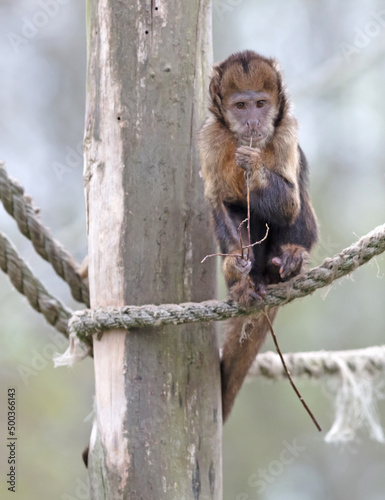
(260,104)
(240,105)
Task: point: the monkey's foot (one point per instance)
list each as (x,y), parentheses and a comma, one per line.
(291,260)
(245,292)
(258,288)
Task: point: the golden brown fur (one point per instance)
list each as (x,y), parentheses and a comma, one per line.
(251,129)
(239,353)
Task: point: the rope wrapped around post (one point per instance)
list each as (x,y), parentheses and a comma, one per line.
(356,390)
(85,323)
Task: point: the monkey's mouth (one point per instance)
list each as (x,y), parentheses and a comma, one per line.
(253,139)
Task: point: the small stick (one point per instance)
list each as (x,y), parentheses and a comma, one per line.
(248,214)
(242,247)
(264,312)
(260,241)
(240,236)
(218,255)
(248,205)
(288,372)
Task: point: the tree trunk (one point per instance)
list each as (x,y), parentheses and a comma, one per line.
(158,427)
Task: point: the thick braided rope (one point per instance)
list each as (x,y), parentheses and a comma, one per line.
(355,381)
(21,208)
(311,364)
(26,283)
(86,322)
(370,360)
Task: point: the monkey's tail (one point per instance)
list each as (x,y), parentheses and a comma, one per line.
(242,344)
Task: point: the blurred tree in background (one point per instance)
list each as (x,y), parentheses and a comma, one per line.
(333,57)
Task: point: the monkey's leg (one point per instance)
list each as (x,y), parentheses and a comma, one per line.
(239,353)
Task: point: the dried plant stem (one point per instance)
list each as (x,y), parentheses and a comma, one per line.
(260,241)
(288,372)
(248,214)
(264,312)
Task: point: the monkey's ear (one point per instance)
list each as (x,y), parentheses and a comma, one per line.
(276,66)
(214,84)
(216,106)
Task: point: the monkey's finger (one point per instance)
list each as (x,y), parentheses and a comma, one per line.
(256,296)
(258,293)
(243,161)
(243,262)
(291,265)
(260,290)
(246,150)
(257,290)
(245,270)
(276,261)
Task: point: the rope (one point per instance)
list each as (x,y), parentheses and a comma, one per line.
(370,360)
(357,395)
(21,208)
(352,378)
(26,283)
(86,322)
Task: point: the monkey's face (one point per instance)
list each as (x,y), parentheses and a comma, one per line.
(251,115)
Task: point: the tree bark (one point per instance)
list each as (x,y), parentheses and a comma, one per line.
(157,433)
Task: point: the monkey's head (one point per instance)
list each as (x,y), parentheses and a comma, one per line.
(247,96)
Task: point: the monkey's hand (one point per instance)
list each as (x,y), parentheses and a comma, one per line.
(248,158)
(291,260)
(235,268)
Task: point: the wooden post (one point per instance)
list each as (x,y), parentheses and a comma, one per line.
(158,427)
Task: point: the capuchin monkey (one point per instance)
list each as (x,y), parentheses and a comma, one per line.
(251,132)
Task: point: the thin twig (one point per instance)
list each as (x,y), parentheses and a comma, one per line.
(215,255)
(260,241)
(248,213)
(265,312)
(288,372)
(240,236)
(243,247)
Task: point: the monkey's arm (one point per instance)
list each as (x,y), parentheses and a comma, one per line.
(274,194)
(274,174)
(291,243)
(226,228)
(276,200)
(236,267)
(217,147)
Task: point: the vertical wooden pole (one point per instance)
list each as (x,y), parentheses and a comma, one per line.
(158,427)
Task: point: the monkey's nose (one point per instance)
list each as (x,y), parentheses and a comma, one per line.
(252,124)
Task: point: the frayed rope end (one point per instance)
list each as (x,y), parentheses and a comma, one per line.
(356,399)
(76,351)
